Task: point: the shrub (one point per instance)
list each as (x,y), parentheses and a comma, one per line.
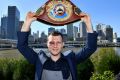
(7,69)
(23,71)
(16,69)
(1,70)
(85,70)
(107,75)
(106,60)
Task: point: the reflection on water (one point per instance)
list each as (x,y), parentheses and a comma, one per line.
(117,49)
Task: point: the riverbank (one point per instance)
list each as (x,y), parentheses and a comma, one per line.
(10,53)
(1,49)
(14,53)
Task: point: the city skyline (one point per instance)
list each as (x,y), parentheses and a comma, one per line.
(105,12)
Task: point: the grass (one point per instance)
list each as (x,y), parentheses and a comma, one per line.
(12,53)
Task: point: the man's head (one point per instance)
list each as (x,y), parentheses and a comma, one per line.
(55,43)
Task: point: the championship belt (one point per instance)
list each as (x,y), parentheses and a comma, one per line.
(58,12)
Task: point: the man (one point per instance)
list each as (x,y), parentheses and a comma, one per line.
(58,66)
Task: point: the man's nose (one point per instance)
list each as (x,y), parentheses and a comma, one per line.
(55,44)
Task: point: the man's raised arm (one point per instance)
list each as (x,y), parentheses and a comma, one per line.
(23,35)
(91,40)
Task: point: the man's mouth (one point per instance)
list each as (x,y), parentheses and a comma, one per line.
(55,49)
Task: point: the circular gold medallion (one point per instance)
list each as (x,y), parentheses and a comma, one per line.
(59,10)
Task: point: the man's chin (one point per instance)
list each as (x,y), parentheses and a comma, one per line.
(55,54)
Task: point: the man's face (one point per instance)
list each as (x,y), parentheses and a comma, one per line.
(55,44)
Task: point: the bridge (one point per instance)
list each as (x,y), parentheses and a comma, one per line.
(8,43)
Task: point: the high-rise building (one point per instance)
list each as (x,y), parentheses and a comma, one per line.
(118,39)
(70,33)
(83,32)
(105,32)
(43,38)
(99,29)
(115,37)
(109,33)
(75,32)
(3,27)
(20,25)
(59,30)
(13,22)
(36,35)
(0,31)
(43,35)
(63,31)
(51,29)
(78,35)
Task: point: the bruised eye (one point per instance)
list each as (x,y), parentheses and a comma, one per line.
(53,43)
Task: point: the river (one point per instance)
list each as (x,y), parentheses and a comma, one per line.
(14,53)
(117,49)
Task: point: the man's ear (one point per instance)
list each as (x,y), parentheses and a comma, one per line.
(63,44)
(47,43)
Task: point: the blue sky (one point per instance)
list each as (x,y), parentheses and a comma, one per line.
(101,11)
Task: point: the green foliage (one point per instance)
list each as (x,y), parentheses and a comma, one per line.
(106,59)
(85,70)
(23,70)
(13,69)
(1,70)
(7,67)
(105,63)
(107,75)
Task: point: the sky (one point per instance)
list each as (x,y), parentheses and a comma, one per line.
(101,11)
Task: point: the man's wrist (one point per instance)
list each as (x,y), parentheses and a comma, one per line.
(26,26)
(89,27)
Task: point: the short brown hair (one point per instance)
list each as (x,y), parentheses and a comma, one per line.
(56,33)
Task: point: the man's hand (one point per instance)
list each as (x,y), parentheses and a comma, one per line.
(29,19)
(86,18)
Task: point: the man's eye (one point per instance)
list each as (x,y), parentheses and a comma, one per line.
(58,42)
(51,42)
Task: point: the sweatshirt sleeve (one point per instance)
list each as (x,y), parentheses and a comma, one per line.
(23,47)
(89,48)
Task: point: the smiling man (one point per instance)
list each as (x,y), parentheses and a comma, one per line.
(59,66)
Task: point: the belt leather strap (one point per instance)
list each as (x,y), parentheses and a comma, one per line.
(58,12)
